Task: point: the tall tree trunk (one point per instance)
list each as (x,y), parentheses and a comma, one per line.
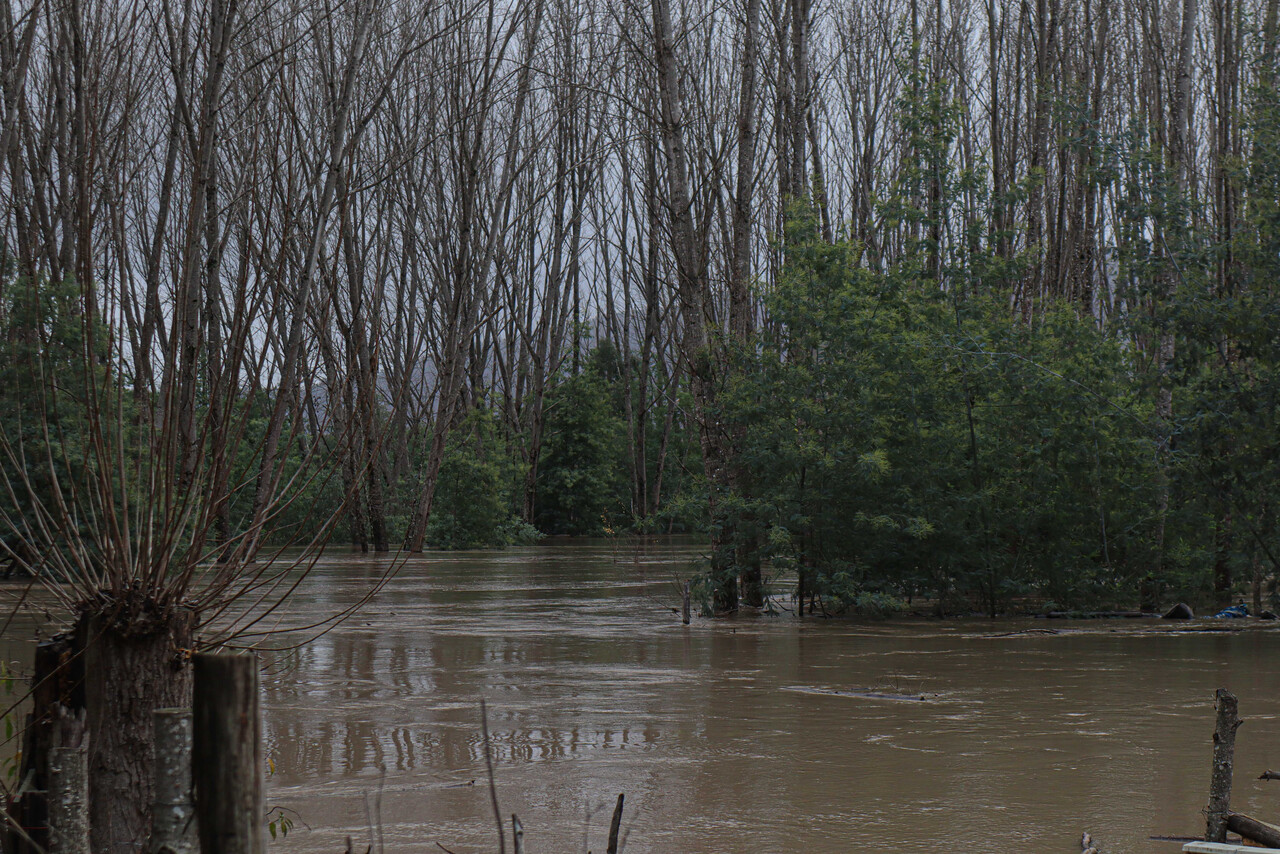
(740,309)
(1222,546)
(135,662)
(270,470)
(821,201)
(1173,230)
(997,228)
(183,370)
(693,288)
(1270,26)
(473,271)
(1042,105)
(800,89)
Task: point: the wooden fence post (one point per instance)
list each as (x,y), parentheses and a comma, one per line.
(173,815)
(68,800)
(684,612)
(57,694)
(1224,751)
(226,758)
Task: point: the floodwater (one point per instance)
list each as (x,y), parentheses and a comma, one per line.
(739,735)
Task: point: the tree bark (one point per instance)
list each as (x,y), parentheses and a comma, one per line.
(1222,575)
(57,694)
(1269,30)
(740,325)
(134,664)
(1172,229)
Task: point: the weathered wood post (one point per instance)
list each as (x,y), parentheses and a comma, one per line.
(1224,750)
(56,720)
(517,834)
(68,800)
(684,616)
(173,814)
(226,757)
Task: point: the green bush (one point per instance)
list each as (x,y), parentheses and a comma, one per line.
(581,480)
(474,497)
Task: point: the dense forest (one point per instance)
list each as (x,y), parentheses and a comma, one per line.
(971,301)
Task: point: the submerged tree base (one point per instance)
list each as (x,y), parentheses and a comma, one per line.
(136,660)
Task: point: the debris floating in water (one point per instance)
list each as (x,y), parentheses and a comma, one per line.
(864,695)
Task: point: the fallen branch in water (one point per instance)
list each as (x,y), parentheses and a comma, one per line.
(1025,632)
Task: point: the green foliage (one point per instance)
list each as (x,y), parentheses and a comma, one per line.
(72,438)
(51,360)
(1226,311)
(314,490)
(1061,468)
(842,590)
(904,440)
(581,473)
(681,506)
(906,435)
(475,493)
(280,820)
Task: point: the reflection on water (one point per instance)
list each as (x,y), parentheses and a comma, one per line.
(747,735)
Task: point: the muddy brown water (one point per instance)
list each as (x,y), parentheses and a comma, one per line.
(742,735)
(754,735)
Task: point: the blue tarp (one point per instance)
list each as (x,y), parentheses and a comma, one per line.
(1235,612)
